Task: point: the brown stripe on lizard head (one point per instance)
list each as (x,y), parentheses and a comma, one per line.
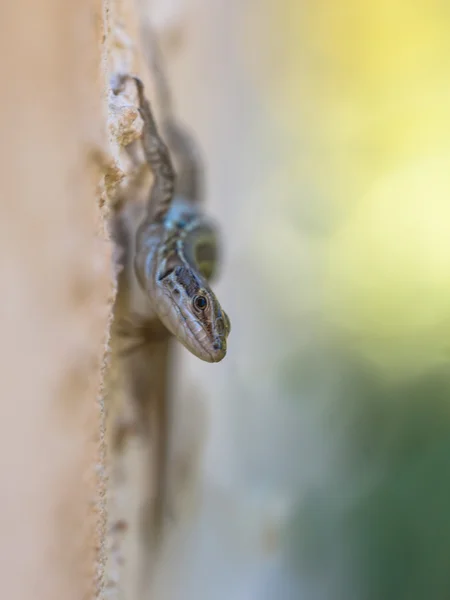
(187,279)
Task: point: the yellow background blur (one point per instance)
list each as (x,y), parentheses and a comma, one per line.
(363,89)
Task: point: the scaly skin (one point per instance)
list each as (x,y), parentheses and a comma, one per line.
(168,261)
(169,256)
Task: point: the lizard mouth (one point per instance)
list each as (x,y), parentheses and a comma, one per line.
(219,347)
(205,354)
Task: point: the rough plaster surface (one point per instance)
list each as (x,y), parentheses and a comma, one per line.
(56,296)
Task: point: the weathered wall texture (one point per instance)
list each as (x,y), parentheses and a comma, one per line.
(56,286)
(131,562)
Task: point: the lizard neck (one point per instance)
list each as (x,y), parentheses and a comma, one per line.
(190,239)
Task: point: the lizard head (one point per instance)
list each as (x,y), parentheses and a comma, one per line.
(190,310)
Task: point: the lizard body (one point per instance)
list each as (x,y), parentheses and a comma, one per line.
(169,255)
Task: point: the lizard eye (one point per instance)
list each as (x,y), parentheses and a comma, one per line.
(200,302)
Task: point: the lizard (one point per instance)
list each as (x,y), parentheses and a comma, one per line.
(169,257)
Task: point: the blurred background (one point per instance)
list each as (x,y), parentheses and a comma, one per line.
(326,131)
